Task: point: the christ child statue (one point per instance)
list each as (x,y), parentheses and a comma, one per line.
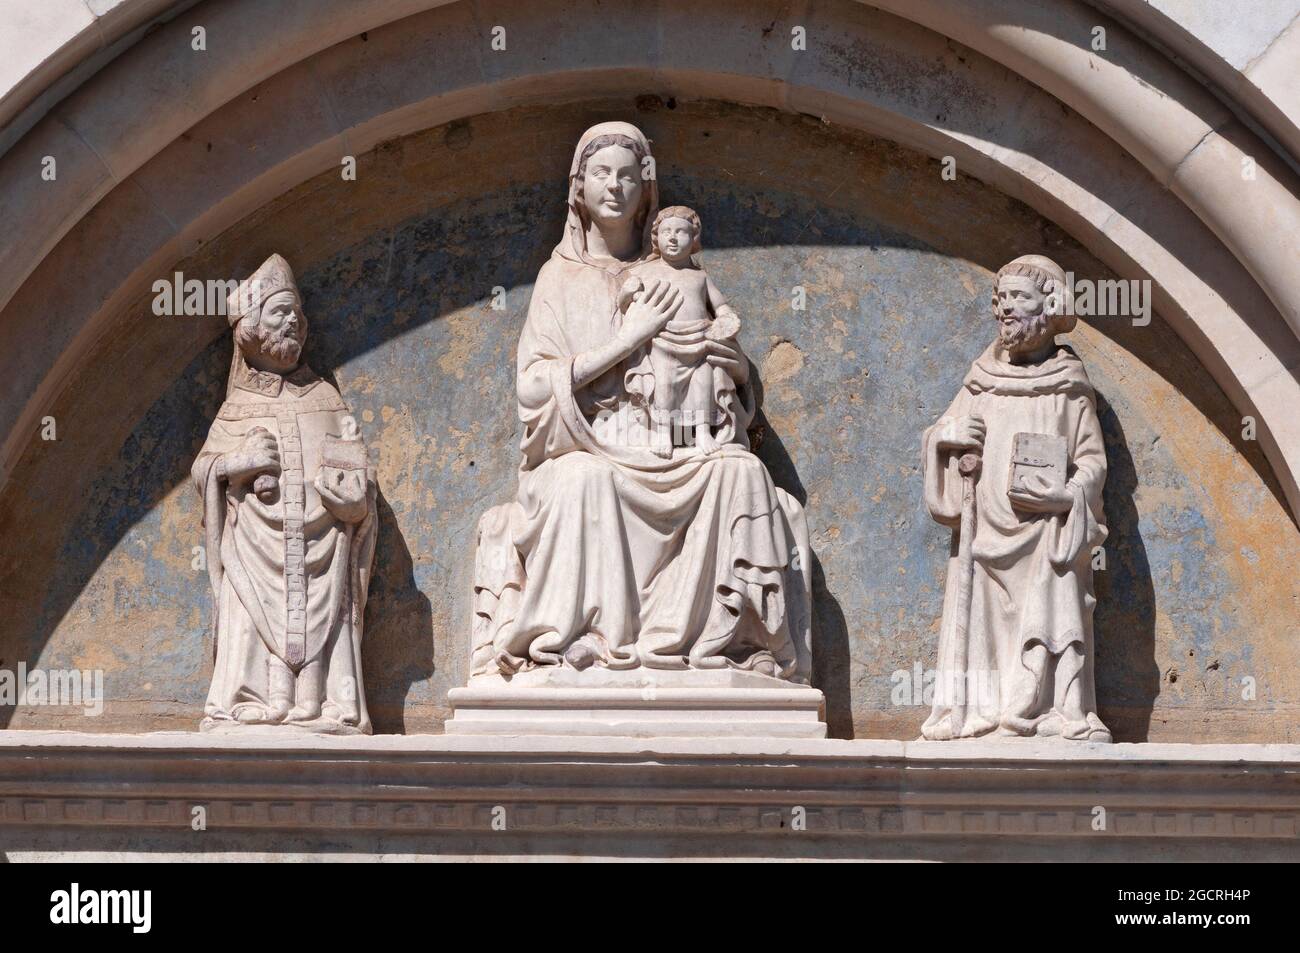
(673,382)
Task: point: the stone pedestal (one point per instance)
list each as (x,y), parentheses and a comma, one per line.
(640,703)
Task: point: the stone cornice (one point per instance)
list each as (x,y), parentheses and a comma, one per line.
(697,792)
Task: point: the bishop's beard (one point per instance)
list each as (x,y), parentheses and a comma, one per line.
(281,346)
(1024,333)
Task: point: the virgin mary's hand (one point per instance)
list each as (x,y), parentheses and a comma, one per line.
(727,355)
(645,318)
(648,316)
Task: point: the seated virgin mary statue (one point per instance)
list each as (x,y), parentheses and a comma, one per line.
(613,556)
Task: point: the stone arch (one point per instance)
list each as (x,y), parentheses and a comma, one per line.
(1141,173)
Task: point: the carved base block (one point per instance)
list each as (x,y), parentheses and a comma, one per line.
(640,703)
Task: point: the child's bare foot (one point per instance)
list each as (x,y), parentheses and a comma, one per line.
(704,439)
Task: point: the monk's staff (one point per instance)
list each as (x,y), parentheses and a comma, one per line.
(969,468)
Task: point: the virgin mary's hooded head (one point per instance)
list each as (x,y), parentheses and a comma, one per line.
(573,245)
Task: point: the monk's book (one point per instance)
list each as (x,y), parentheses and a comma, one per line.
(1042,453)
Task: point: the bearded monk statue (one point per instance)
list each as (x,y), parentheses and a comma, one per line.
(1016,467)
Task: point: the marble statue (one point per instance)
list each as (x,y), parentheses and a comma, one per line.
(620,552)
(1016,467)
(289,516)
(674,382)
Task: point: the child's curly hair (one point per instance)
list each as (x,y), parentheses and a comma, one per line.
(677,211)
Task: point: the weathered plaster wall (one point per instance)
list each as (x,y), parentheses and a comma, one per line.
(397,271)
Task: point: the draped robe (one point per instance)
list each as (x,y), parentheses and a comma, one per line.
(1032,580)
(664,563)
(254,548)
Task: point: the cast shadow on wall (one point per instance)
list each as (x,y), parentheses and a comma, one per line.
(399,648)
(1124,622)
(830,631)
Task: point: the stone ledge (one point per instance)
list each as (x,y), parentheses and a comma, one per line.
(688,796)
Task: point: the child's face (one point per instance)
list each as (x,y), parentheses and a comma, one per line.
(676,235)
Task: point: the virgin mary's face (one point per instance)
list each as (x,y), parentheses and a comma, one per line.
(611,189)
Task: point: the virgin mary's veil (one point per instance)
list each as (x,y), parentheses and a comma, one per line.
(573,245)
